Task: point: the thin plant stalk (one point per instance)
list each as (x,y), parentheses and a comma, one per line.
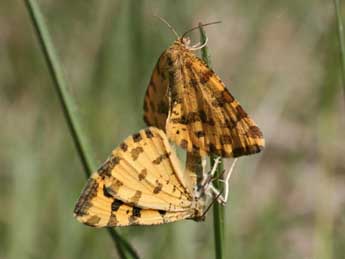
(69,111)
(218,210)
(341,40)
(67,104)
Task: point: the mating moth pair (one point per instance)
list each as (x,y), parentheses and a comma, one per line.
(142,182)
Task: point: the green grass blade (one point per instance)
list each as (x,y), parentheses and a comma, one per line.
(121,243)
(67,104)
(341,39)
(218,210)
(69,110)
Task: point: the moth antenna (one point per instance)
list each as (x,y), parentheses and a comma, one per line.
(211,204)
(200,25)
(167,24)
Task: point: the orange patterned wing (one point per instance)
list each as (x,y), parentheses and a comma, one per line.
(141,183)
(204,117)
(97,208)
(146,172)
(156,102)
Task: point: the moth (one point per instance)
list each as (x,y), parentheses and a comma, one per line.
(141,183)
(189,101)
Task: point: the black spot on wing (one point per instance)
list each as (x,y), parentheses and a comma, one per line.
(137,137)
(106,194)
(148,133)
(162,212)
(136,212)
(124,147)
(116,205)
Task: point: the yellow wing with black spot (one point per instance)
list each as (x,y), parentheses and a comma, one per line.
(141,183)
(97,208)
(156,101)
(203,116)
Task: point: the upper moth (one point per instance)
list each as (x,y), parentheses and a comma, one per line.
(191,103)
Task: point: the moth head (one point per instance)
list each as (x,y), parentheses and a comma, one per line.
(186,41)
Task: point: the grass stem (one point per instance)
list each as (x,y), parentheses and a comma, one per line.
(341,40)
(218,210)
(69,110)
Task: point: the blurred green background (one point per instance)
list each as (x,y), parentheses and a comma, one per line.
(279,58)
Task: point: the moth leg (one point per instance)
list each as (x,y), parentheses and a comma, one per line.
(203,164)
(207,177)
(198,46)
(214,192)
(204,172)
(208,187)
(215,165)
(226,182)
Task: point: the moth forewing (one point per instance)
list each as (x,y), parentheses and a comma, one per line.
(203,116)
(141,183)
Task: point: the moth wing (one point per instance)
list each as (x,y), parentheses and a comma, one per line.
(145,172)
(156,101)
(97,208)
(206,118)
